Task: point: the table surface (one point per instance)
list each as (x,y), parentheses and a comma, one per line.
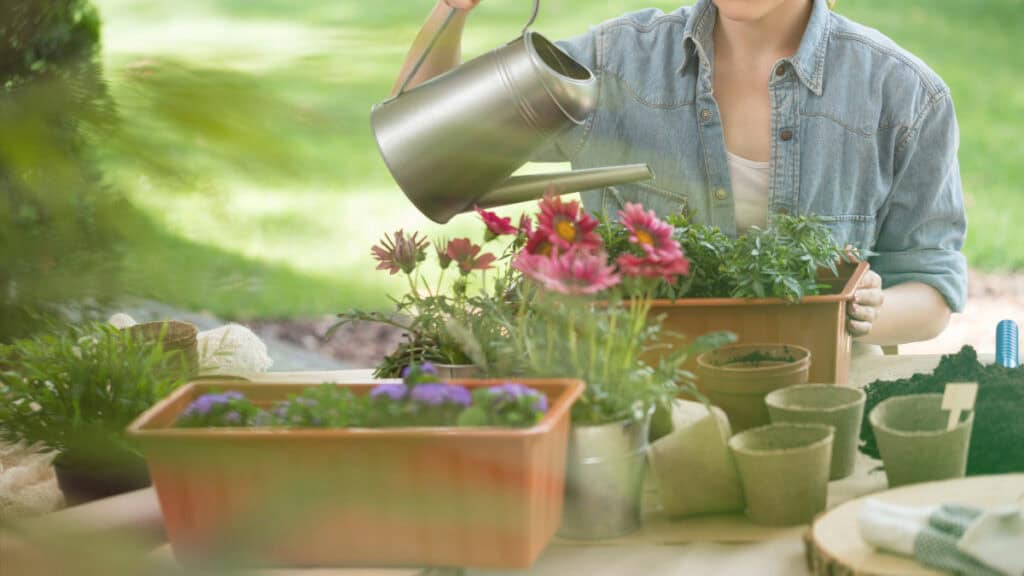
(719,545)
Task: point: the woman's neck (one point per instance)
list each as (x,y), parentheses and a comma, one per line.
(774,35)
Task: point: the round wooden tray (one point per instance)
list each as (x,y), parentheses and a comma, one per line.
(834,545)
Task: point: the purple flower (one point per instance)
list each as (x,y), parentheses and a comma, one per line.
(425,368)
(392,391)
(512,392)
(207,402)
(438,394)
(233,417)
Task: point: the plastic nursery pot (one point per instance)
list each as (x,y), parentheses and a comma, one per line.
(840,407)
(84,482)
(604,477)
(784,471)
(913,440)
(736,378)
(483,497)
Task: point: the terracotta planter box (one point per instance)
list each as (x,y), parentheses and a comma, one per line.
(817,323)
(445,496)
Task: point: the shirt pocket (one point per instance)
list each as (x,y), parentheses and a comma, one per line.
(856,230)
(663,201)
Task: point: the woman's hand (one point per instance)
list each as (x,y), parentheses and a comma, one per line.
(464,5)
(867,300)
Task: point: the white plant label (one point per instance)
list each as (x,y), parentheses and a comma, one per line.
(958,397)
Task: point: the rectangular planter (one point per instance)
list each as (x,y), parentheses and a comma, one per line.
(445,496)
(816,322)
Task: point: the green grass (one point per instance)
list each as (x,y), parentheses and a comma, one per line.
(270,191)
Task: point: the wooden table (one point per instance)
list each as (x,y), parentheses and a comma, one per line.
(718,545)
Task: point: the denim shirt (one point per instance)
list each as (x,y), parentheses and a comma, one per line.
(864,136)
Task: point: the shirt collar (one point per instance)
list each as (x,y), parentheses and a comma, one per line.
(809,60)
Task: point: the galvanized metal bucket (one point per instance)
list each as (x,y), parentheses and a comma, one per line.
(604,479)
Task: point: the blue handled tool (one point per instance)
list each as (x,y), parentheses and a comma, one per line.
(1007,347)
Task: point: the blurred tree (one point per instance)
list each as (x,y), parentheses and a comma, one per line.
(58,232)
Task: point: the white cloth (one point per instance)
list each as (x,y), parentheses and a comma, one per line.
(232,350)
(750,191)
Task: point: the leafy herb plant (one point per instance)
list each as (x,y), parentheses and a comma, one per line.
(75,392)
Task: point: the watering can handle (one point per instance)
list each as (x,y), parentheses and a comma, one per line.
(437,36)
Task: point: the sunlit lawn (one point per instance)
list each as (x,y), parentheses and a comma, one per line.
(262,239)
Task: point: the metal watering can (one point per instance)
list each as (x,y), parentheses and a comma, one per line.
(452,142)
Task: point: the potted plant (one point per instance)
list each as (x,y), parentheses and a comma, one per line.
(440,319)
(74,392)
(789,283)
(422,472)
(581,314)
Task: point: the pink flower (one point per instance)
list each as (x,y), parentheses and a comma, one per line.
(496,225)
(648,267)
(566,225)
(574,272)
(400,254)
(525,225)
(538,243)
(441,248)
(649,233)
(464,253)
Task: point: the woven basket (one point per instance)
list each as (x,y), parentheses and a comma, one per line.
(176,336)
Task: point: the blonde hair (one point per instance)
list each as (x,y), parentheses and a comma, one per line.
(831,4)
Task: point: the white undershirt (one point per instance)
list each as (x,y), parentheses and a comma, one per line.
(750,191)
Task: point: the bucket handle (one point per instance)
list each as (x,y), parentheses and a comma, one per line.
(440,31)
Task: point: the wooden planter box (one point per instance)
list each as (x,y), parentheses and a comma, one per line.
(817,323)
(445,496)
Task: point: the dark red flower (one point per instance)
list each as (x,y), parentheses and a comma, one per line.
(464,253)
(650,267)
(496,225)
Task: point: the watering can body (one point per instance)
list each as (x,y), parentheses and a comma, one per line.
(452,142)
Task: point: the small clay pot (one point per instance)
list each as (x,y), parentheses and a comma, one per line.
(784,470)
(736,378)
(840,407)
(83,483)
(913,440)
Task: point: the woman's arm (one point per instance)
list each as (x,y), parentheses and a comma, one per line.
(908,312)
(447,52)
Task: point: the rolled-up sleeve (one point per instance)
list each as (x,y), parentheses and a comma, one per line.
(565,146)
(923,223)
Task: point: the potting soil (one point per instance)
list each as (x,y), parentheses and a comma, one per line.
(997,440)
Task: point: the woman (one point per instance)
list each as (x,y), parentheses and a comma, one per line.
(750,108)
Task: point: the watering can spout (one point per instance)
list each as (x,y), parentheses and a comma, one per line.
(525,188)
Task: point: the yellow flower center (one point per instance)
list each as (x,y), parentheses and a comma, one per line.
(566,230)
(644,237)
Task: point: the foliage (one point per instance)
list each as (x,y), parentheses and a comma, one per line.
(584,312)
(442,323)
(59,237)
(420,400)
(76,391)
(997,436)
(783,261)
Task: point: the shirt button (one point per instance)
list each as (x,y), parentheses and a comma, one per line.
(705,114)
(721,194)
(786,135)
(781,70)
